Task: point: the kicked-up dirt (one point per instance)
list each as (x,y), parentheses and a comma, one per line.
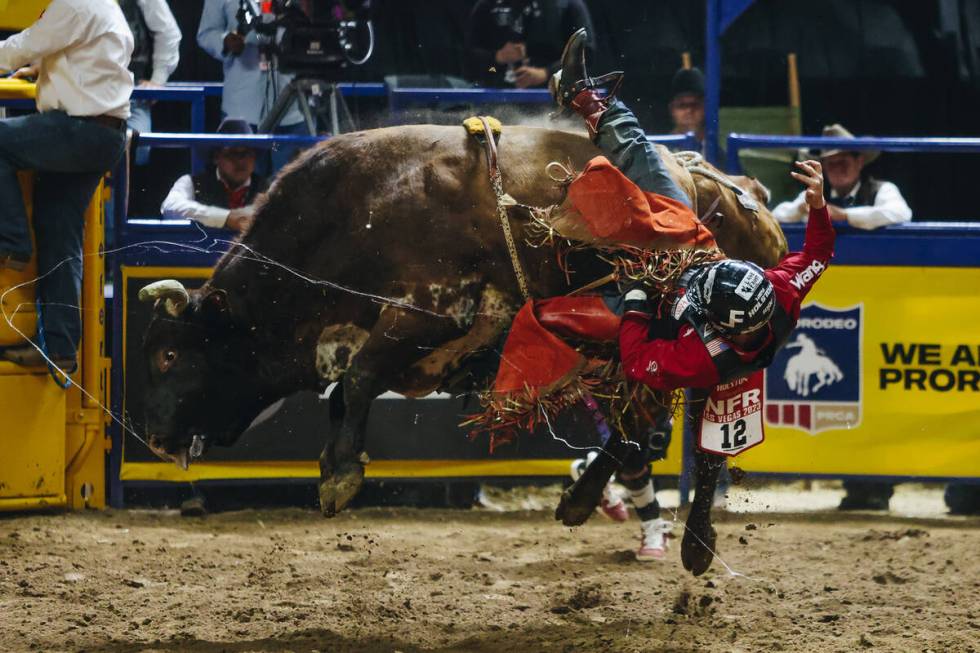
(386,580)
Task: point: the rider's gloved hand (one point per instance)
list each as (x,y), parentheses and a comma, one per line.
(635,300)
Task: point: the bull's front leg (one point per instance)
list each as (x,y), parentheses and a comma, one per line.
(698,545)
(398,340)
(343,459)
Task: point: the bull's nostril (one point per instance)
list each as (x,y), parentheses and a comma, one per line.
(155,442)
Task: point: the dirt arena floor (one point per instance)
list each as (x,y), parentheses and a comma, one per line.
(387,580)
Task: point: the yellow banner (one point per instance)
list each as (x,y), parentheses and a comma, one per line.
(881,377)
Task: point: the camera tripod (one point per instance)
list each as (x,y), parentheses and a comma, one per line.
(309,94)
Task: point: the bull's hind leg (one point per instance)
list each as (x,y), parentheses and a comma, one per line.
(698,545)
(399,339)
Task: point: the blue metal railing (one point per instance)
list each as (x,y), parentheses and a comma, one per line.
(686,141)
(737,142)
(192,94)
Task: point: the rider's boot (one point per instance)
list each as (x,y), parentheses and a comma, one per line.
(574,89)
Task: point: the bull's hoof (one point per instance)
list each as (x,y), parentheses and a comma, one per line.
(347,483)
(577,504)
(337,490)
(328,497)
(697,550)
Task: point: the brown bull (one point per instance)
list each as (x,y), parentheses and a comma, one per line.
(377,261)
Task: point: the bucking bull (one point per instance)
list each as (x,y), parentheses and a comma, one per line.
(377,261)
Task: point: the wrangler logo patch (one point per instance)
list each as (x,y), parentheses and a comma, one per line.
(806,277)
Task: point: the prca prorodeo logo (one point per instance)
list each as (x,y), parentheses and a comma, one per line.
(814,382)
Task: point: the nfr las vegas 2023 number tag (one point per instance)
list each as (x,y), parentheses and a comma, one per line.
(732,418)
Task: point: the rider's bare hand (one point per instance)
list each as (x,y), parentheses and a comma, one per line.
(810,174)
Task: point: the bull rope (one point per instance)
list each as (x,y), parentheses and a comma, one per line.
(503,201)
(691,161)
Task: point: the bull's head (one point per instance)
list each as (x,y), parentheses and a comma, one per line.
(202,387)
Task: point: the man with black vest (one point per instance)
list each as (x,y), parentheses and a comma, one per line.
(222,195)
(156,53)
(854,197)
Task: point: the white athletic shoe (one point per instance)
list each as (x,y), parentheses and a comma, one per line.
(653,539)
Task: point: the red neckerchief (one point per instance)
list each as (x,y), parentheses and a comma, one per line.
(236,196)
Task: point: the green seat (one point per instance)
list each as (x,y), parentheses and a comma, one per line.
(771,167)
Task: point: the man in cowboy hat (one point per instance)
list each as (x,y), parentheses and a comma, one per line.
(853,196)
(222,195)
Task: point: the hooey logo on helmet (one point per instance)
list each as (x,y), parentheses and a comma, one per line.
(734,296)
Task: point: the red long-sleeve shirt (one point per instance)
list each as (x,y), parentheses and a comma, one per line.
(685,362)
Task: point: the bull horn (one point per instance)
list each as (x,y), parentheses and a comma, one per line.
(171,291)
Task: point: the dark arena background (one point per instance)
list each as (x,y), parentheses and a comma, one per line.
(850,521)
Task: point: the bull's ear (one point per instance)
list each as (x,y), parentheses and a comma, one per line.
(214,306)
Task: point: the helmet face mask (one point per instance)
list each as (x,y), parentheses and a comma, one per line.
(733,296)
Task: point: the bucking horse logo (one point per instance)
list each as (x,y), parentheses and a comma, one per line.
(810,365)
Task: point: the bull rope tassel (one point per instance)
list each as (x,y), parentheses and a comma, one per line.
(503,201)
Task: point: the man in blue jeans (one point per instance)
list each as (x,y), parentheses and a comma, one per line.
(79,51)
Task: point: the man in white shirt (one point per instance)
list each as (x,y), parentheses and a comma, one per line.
(79,50)
(222,195)
(156,53)
(853,197)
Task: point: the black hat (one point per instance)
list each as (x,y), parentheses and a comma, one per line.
(234,126)
(687,81)
(230,126)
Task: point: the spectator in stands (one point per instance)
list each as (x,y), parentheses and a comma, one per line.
(250,85)
(518,43)
(853,196)
(156,52)
(687,102)
(222,195)
(79,51)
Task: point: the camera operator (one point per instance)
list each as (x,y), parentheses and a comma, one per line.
(518,43)
(251,85)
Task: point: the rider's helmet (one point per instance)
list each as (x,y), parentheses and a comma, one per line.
(733,296)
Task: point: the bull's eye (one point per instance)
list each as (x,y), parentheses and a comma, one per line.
(165,359)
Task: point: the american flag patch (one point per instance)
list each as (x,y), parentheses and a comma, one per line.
(716,346)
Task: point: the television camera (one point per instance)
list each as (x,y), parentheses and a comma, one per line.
(315,40)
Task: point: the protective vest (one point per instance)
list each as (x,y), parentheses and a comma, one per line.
(725,358)
(209,190)
(141,63)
